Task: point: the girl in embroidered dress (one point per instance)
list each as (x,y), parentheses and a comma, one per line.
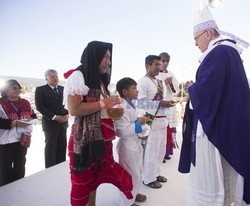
(12,147)
(90,144)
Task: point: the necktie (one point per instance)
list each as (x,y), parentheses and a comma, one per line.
(56,91)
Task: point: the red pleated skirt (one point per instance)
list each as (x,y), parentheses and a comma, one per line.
(90,179)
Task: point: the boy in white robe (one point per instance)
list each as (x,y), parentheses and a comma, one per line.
(171,87)
(129,146)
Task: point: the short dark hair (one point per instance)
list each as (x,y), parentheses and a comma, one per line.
(124,83)
(8,84)
(150,59)
(164,55)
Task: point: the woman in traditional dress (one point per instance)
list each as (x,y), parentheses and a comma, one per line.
(90,144)
(14,134)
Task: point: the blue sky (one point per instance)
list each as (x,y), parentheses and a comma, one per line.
(39,35)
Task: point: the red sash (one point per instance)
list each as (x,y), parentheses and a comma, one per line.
(108,130)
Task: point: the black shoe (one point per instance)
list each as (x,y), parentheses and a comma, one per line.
(164,161)
(167,158)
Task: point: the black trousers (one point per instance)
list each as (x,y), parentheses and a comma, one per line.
(12,162)
(55,146)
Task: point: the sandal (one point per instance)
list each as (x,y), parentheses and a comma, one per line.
(154,185)
(161,179)
(140,198)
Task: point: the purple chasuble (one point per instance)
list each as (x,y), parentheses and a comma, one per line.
(221,101)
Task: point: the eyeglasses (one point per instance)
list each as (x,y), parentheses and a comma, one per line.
(197,37)
(15,88)
(164,60)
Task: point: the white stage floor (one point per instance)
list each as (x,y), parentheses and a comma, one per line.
(51,187)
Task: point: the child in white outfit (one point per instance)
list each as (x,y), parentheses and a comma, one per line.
(129,146)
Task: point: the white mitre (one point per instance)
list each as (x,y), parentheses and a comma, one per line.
(203,20)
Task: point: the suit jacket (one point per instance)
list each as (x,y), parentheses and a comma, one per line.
(49,104)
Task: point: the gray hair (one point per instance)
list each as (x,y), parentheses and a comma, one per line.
(214,32)
(50,72)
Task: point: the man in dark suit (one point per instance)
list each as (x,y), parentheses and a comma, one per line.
(48,99)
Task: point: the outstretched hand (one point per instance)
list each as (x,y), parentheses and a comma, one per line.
(168,80)
(187,85)
(167,104)
(142,120)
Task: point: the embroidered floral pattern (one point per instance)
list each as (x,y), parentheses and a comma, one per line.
(205,25)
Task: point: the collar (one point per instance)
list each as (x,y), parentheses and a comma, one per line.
(219,41)
(52,87)
(162,71)
(152,78)
(209,48)
(130,102)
